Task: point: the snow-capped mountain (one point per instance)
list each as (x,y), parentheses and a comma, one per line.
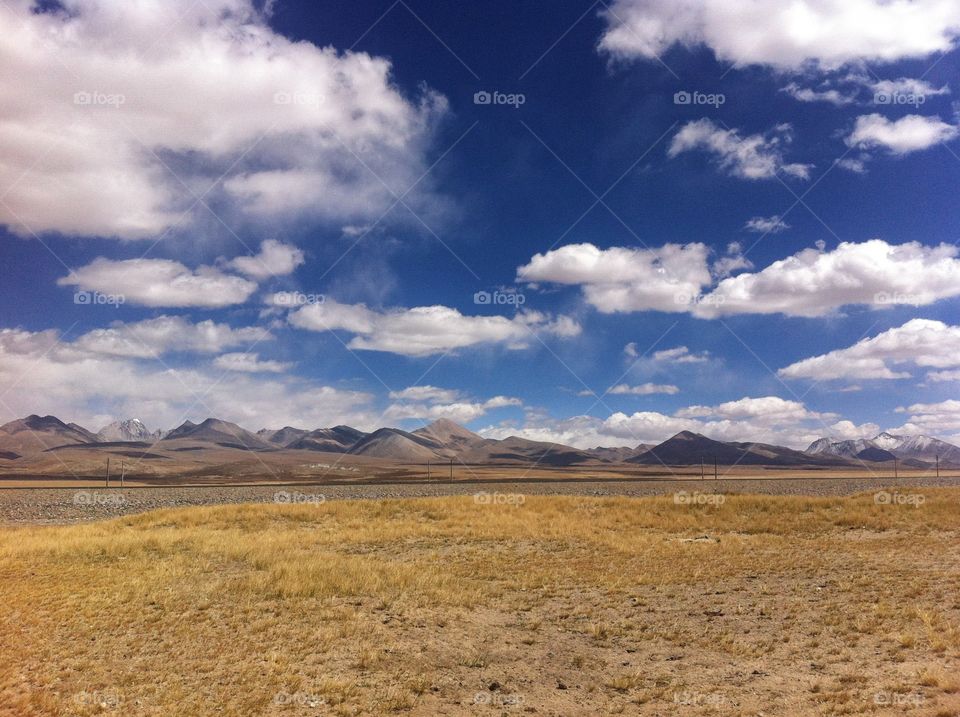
(131,429)
(888,446)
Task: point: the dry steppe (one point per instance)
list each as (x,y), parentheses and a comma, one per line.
(500,604)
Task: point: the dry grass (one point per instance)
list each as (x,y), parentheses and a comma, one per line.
(445,606)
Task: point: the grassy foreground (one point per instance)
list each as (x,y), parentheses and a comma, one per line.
(503,605)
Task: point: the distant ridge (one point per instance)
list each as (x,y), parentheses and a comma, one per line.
(444,440)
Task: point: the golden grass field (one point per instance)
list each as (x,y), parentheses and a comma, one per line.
(511,605)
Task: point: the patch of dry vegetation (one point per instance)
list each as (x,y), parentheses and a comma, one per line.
(449,606)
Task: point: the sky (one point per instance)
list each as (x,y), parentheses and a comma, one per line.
(597,224)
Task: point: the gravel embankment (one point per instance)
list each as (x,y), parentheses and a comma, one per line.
(76,505)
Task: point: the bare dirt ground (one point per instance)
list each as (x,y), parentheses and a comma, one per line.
(89,501)
(501,604)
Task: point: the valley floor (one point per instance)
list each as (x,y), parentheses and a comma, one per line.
(510,604)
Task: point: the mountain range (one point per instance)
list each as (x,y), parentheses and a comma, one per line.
(443,441)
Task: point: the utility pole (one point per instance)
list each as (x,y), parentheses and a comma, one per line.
(121,472)
(451,469)
(715,474)
(938,465)
(428,470)
(896,471)
(108,471)
(701,467)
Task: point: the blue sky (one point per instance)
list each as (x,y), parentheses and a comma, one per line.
(774,259)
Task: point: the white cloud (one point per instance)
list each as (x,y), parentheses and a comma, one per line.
(943,376)
(919,342)
(756,156)
(161,283)
(766,225)
(885,90)
(767,419)
(249,363)
(209,88)
(626,279)
(680,354)
(644,389)
(458,411)
(166,334)
(77,385)
(787,36)
(937,419)
(426,330)
(274,259)
(912,133)
(430,394)
(815,283)
(810,283)
(807,94)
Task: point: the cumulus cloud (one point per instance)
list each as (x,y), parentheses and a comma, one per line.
(767,419)
(626,279)
(135,108)
(425,330)
(787,36)
(430,394)
(161,283)
(817,283)
(274,259)
(912,133)
(680,354)
(644,389)
(59,378)
(167,334)
(919,342)
(766,225)
(249,363)
(755,156)
(812,282)
(461,411)
(941,418)
(808,94)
